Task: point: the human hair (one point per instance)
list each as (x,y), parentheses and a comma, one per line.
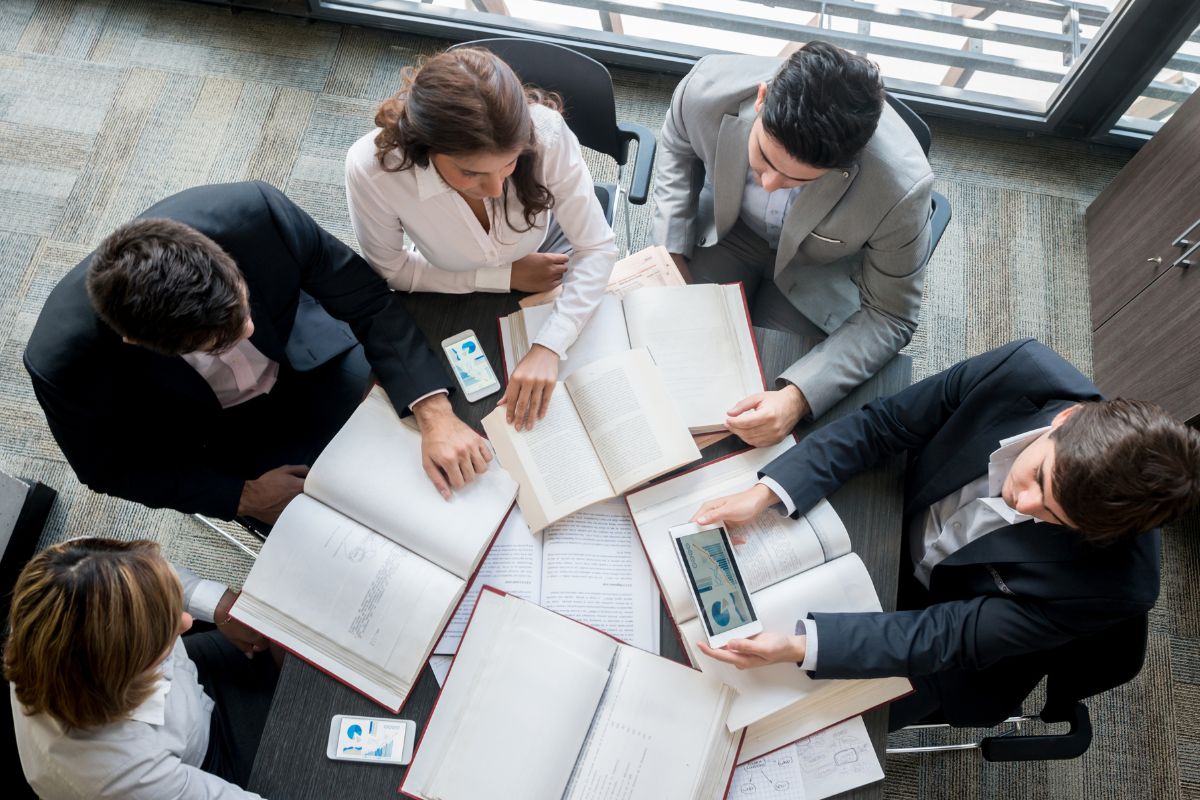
(89,620)
(465,101)
(168,287)
(1122,467)
(823,105)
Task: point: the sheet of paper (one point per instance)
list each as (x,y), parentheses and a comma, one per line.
(514,564)
(835,760)
(594,571)
(603,335)
(440,665)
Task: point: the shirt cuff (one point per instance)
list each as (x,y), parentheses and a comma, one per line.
(426,396)
(493,279)
(778,491)
(203,603)
(808,629)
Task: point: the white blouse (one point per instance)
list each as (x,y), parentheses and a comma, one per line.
(454,254)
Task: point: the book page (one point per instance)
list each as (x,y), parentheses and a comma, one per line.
(594,571)
(699,347)
(554,463)
(372,472)
(632,423)
(358,591)
(842,585)
(653,733)
(603,335)
(515,708)
(514,565)
(652,266)
(658,508)
(775,547)
(836,760)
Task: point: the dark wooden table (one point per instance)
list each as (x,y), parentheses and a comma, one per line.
(291,762)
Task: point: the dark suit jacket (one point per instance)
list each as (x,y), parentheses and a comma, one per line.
(1002,600)
(125,417)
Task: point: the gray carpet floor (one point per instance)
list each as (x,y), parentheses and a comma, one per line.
(109,105)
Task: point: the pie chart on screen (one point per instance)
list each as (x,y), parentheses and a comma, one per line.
(468,346)
(720,613)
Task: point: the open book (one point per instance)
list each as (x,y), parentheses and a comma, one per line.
(362,571)
(610,427)
(791,567)
(652,266)
(540,707)
(589,566)
(698,335)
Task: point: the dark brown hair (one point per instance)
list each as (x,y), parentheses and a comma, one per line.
(168,287)
(1122,467)
(465,100)
(89,620)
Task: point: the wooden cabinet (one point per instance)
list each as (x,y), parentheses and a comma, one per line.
(1145,300)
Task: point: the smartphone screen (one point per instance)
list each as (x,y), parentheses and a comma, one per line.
(716,580)
(367,739)
(470,365)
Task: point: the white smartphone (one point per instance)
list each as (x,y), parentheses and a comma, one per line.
(371,740)
(470,365)
(718,590)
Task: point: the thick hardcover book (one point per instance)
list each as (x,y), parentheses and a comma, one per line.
(792,567)
(699,336)
(364,569)
(539,707)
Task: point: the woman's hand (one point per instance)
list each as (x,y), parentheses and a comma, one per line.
(759,650)
(244,638)
(538,272)
(528,394)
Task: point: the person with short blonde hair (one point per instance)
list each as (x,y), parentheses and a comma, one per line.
(108,699)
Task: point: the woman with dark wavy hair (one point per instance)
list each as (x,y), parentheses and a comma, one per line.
(489,184)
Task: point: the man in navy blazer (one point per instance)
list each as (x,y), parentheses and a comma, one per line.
(194,362)
(1031,513)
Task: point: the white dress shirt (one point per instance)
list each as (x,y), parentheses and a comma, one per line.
(240,373)
(949,525)
(154,754)
(763,211)
(453,253)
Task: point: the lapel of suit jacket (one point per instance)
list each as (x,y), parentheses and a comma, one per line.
(729,170)
(265,336)
(815,202)
(1028,541)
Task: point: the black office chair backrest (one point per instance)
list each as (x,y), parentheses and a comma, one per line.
(1094,664)
(912,120)
(582,82)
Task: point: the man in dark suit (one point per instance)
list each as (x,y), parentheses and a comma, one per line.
(191,361)
(1031,513)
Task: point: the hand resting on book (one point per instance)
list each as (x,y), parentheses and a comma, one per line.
(530,386)
(759,650)
(741,507)
(764,418)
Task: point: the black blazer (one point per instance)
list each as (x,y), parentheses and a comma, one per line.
(1002,600)
(125,417)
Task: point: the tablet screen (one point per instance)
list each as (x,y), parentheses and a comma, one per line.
(715,580)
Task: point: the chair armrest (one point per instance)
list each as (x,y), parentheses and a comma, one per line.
(1071,744)
(643,165)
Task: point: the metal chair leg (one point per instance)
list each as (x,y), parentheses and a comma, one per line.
(213,526)
(1017,723)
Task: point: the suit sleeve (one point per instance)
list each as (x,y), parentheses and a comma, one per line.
(825,459)
(893,274)
(678,178)
(346,286)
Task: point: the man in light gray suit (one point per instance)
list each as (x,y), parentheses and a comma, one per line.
(795,177)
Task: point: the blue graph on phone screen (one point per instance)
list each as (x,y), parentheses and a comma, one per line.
(471,364)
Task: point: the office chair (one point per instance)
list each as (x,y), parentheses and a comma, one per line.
(590,110)
(1074,672)
(941,206)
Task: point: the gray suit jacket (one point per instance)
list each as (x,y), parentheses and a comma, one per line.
(854,243)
